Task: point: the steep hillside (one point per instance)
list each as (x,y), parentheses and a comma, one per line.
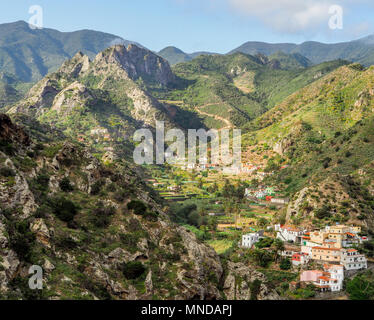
(31,54)
(239,87)
(96,229)
(324,133)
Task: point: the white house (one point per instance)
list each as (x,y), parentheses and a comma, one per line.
(288,233)
(336,272)
(248,240)
(215,214)
(300,259)
(351,259)
(279,201)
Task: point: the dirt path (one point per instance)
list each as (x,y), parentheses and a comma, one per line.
(227,122)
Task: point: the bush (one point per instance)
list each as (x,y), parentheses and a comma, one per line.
(324,212)
(264,243)
(129,240)
(101,216)
(151,216)
(255,287)
(120,196)
(96,187)
(285,264)
(64,209)
(137,206)
(133,270)
(65,185)
(7,172)
(21,239)
(41,182)
(361,287)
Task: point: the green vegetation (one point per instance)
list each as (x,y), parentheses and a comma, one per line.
(361,287)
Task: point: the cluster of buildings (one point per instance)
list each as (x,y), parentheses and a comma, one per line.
(331,246)
(329,279)
(334,244)
(266,194)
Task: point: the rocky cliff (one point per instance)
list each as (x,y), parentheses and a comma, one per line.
(97,231)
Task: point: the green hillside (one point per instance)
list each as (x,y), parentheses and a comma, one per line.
(324,132)
(239,87)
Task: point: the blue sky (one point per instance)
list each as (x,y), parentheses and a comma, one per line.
(202,25)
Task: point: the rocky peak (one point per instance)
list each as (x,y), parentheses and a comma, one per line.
(138,63)
(76,65)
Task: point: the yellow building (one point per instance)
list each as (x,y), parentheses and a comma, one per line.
(326,254)
(339,229)
(318,237)
(356,229)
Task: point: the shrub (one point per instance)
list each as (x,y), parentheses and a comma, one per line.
(120,196)
(42,182)
(285,264)
(101,216)
(21,239)
(97,186)
(129,240)
(65,242)
(134,225)
(264,243)
(65,185)
(7,172)
(64,209)
(137,206)
(133,269)
(324,212)
(255,287)
(151,216)
(361,287)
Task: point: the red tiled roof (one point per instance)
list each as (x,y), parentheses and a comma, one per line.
(350,234)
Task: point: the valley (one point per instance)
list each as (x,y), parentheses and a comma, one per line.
(73,200)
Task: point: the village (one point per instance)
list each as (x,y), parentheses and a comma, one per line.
(330,251)
(320,258)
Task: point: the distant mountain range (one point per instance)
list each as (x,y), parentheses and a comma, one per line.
(31,54)
(175,55)
(361,51)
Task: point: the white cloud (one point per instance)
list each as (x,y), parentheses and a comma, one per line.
(291,16)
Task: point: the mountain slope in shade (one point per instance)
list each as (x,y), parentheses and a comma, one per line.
(361,51)
(31,54)
(175,55)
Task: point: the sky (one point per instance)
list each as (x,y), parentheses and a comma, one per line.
(204,25)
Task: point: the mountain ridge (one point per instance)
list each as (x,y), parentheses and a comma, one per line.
(31,54)
(360,50)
